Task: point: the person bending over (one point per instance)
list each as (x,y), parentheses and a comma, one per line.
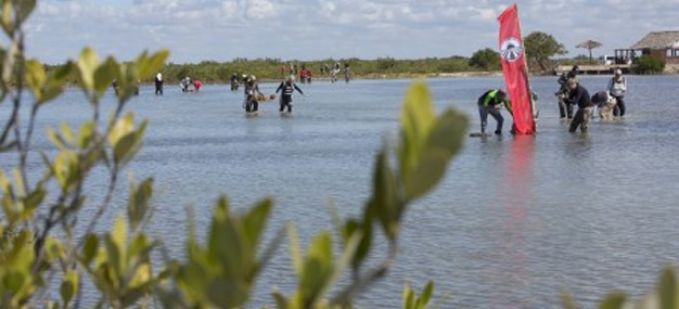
(490,103)
(580,97)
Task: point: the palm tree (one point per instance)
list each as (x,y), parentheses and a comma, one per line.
(589,44)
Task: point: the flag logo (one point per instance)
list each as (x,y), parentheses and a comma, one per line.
(511,49)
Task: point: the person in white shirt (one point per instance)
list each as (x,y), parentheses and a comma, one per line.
(617,87)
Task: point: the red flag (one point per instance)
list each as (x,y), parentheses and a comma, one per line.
(514,68)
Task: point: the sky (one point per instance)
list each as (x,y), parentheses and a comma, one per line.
(221,30)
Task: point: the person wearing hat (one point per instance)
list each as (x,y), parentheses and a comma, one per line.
(159,84)
(566,106)
(185,83)
(606,103)
(617,87)
(287,87)
(251,91)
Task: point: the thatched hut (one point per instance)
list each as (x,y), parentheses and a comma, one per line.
(663,45)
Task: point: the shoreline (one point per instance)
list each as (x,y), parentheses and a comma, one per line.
(395,76)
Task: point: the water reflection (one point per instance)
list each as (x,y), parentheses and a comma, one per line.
(512,276)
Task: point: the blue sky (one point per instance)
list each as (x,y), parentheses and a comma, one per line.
(196,30)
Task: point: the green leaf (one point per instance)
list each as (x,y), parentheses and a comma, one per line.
(91,248)
(318,267)
(5,185)
(67,133)
(35,77)
(122,127)
(104,75)
(148,66)
(54,249)
(281,300)
(69,287)
(385,201)
(25,9)
(348,254)
(408,297)
(65,168)
(295,250)
(87,64)
(567,300)
(613,301)
(86,134)
(56,82)
(445,139)
(667,289)
(56,139)
(32,201)
(14,280)
(364,246)
(118,238)
(417,118)
(227,293)
(228,245)
(255,221)
(139,202)
(139,247)
(426,294)
(124,148)
(7,19)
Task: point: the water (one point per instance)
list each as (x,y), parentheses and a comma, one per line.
(515,222)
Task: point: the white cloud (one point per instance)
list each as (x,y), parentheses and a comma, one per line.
(223,29)
(260,9)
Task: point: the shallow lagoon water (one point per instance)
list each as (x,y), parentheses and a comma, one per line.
(516,220)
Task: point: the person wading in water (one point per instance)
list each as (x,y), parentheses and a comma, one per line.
(287,87)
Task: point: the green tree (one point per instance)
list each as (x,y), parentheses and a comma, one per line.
(486,59)
(540,47)
(648,65)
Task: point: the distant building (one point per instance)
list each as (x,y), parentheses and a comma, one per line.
(663,45)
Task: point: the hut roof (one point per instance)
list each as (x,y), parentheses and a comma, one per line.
(659,40)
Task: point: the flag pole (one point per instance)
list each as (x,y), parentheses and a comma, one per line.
(525,68)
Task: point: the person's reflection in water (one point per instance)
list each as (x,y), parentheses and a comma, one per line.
(511,265)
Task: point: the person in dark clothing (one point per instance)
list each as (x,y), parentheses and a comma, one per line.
(347,72)
(580,96)
(159,84)
(251,103)
(574,72)
(565,106)
(287,87)
(234,82)
(490,103)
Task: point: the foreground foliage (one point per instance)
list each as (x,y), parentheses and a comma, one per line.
(49,241)
(52,244)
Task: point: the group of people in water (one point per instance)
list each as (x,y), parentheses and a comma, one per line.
(610,102)
(251,90)
(186,84)
(252,94)
(326,70)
